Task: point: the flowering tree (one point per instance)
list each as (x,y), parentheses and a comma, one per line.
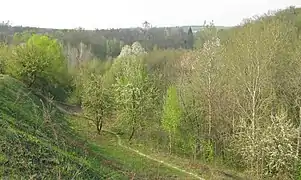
(135,49)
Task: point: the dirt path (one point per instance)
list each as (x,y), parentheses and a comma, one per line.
(73,110)
(152,158)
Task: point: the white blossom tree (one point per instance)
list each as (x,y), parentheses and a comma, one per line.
(135,49)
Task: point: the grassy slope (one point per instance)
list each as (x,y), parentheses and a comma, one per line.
(137,166)
(202,169)
(37,141)
(213,171)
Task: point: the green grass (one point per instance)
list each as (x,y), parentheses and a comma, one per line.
(213,170)
(39,142)
(36,140)
(135,165)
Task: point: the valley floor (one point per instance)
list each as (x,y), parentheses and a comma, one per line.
(39,139)
(184,167)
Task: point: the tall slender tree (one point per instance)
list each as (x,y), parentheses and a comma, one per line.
(190,39)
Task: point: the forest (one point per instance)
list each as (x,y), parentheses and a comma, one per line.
(226,97)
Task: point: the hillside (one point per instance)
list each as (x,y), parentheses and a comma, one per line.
(38,141)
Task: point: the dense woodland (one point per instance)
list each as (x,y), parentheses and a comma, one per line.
(228,96)
(107,43)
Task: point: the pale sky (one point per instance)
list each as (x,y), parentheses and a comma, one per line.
(91,14)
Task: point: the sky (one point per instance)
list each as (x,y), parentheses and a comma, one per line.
(102,14)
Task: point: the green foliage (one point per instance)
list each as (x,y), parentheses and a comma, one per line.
(100,40)
(209,151)
(135,93)
(4,56)
(23,37)
(83,74)
(171,112)
(37,141)
(40,64)
(163,66)
(298,171)
(97,98)
(113,48)
(265,52)
(193,124)
(231,87)
(205,34)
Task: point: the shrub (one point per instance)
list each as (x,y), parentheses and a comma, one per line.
(40,64)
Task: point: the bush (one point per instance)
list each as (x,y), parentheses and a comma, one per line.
(40,64)
(97,98)
(135,94)
(4,54)
(273,147)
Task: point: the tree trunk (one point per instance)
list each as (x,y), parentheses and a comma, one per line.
(298,135)
(99,125)
(209,105)
(194,152)
(197,141)
(132,134)
(32,82)
(170,143)
(197,148)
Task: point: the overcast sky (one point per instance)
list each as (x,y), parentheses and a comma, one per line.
(91,14)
